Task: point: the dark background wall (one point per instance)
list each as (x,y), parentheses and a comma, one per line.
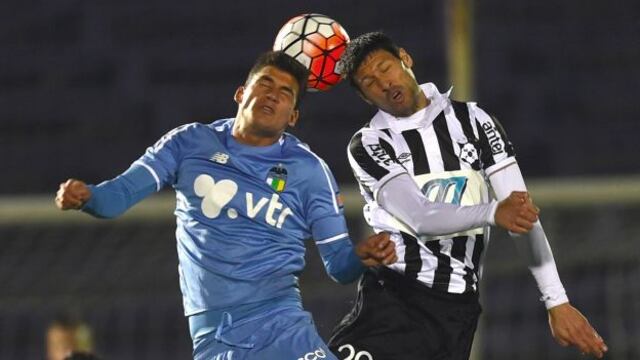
(85,86)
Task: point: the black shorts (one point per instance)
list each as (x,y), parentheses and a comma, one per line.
(397,318)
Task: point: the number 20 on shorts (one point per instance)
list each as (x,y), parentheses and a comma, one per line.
(353,355)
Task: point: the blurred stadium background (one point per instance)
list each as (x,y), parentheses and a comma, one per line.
(86,86)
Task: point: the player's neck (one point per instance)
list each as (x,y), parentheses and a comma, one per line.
(423,102)
(244,136)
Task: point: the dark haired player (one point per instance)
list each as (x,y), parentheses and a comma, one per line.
(422,148)
(247,196)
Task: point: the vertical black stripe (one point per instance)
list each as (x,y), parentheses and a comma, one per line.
(477,252)
(508,146)
(448,153)
(486,156)
(442,275)
(418,153)
(412,257)
(386,131)
(458,252)
(462,114)
(389,149)
(363,159)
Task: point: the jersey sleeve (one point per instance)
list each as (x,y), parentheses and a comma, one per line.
(373,159)
(325,214)
(323,206)
(496,151)
(162,159)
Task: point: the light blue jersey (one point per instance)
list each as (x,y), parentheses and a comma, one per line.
(239,239)
(243,213)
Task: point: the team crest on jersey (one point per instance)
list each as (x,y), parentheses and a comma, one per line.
(277,178)
(469,154)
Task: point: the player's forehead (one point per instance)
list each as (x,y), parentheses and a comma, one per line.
(277,76)
(372,61)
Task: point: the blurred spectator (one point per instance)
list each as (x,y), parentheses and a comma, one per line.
(67,335)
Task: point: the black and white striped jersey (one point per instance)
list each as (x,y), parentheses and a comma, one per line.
(449,148)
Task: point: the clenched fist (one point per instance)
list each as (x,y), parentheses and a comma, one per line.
(73,194)
(517,213)
(377,249)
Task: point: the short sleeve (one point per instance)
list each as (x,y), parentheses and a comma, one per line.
(495,148)
(373,159)
(162,159)
(323,205)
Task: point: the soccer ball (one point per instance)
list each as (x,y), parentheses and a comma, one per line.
(317,42)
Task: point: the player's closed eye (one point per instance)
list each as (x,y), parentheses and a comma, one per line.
(265,84)
(287,94)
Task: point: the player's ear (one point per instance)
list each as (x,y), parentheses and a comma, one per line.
(406,58)
(293,120)
(238,95)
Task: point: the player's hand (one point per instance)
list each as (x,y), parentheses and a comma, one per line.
(72,194)
(570,327)
(377,249)
(517,213)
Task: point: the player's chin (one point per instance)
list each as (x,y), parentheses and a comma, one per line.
(270,128)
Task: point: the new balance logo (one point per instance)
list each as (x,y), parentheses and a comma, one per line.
(220,158)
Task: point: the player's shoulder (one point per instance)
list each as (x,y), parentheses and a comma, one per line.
(192,133)
(370,133)
(196,127)
(302,152)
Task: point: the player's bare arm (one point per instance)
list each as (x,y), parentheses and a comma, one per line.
(72,194)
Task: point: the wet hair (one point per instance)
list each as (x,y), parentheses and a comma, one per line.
(359,48)
(286,63)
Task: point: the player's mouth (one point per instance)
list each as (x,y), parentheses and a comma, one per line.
(267,109)
(396,95)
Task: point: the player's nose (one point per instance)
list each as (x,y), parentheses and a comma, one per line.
(272,96)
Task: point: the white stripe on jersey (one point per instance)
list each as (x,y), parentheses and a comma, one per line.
(432,148)
(332,239)
(326,175)
(166,137)
(153,173)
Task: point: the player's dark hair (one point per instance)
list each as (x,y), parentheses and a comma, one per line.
(359,48)
(285,63)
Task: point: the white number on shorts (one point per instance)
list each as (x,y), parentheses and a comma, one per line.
(353,355)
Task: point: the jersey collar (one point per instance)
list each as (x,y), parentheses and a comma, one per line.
(423,117)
